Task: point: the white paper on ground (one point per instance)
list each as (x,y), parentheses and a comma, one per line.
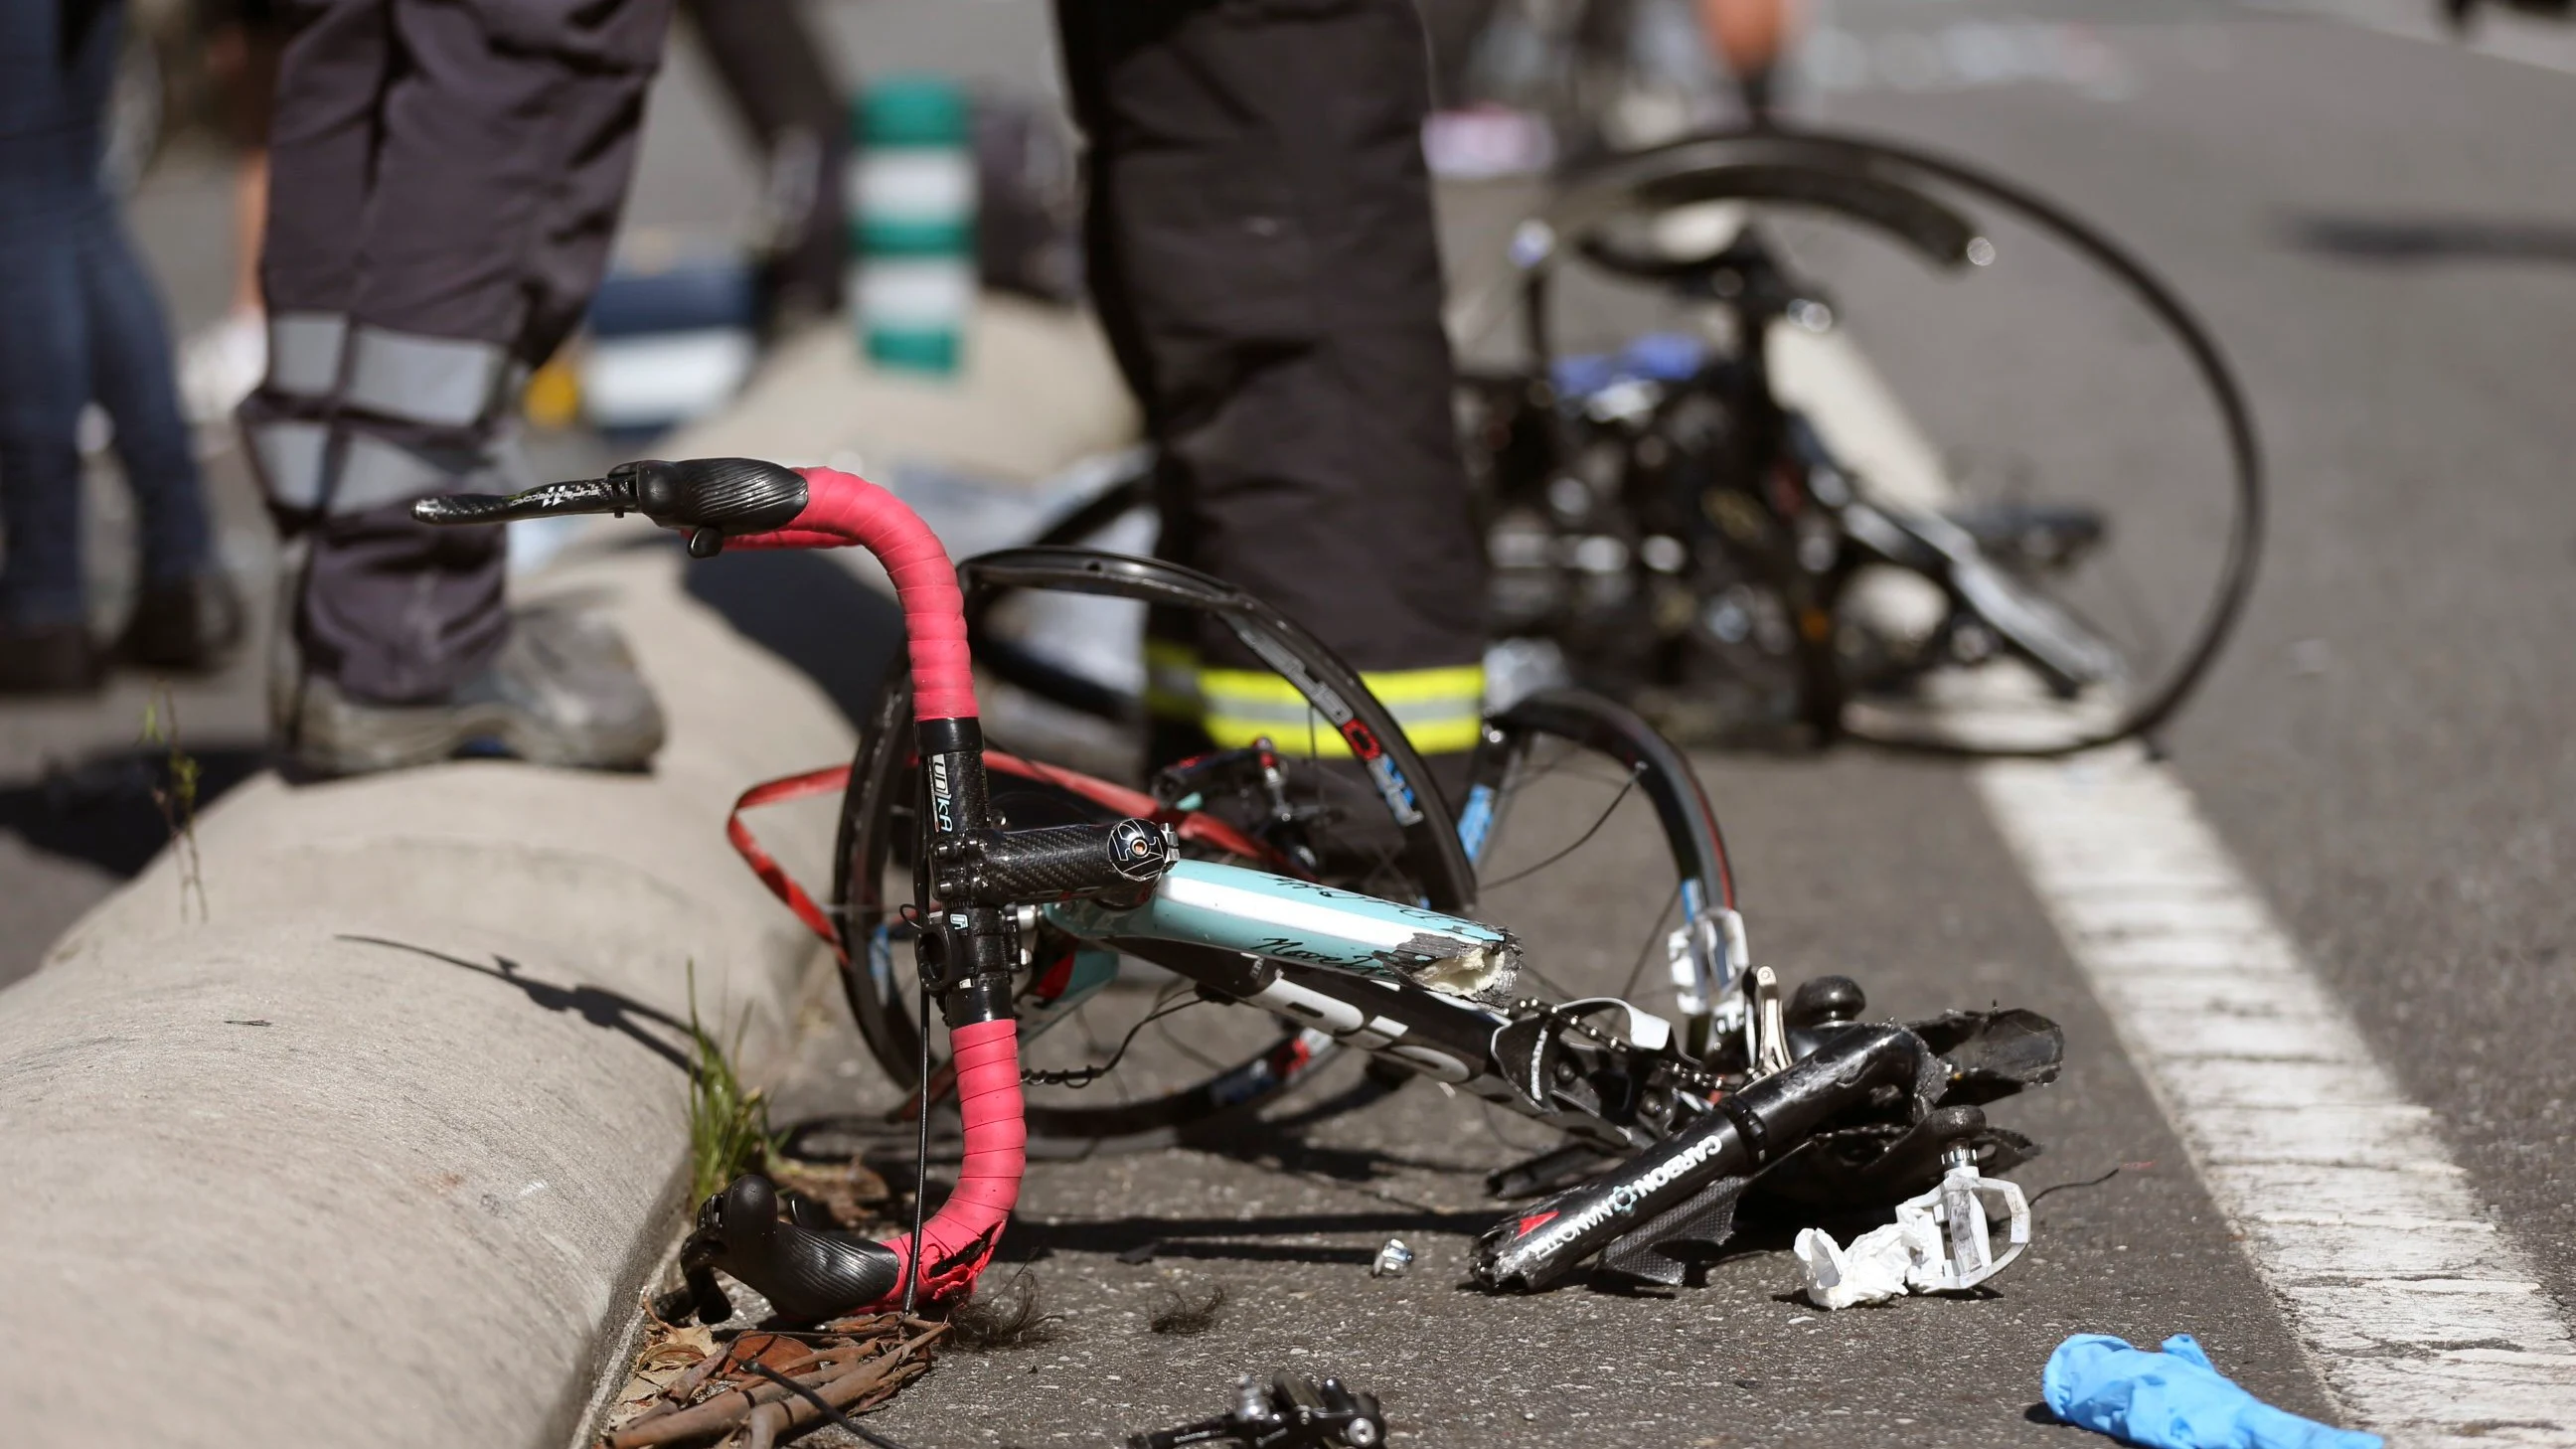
(1879,1265)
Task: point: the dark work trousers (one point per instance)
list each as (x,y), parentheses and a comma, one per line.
(1262,252)
(78,321)
(445,181)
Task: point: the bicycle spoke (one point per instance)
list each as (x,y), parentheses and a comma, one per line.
(1580,841)
(1645,953)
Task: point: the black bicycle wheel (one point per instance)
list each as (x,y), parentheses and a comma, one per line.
(2200,566)
(1560,766)
(1234,1062)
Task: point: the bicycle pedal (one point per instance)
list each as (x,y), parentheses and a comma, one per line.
(1959,1215)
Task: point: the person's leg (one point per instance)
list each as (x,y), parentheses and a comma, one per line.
(127,344)
(1173,709)
(379,576)
(186,615)
(1259,185)
(495,154)
(410,207)
(42,371)
(601,126)
(780,83)
(48,162)
(130,375)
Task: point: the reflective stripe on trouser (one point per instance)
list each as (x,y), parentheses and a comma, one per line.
(1439,709)
(415,415)
(299,468)
(305,351)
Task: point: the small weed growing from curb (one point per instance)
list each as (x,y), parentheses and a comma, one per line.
(728,1123)
(177,797)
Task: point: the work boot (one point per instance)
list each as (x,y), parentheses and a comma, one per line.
(562,691)
(189,627)
(48,659)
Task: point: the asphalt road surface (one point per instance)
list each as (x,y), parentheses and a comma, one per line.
(2381,229)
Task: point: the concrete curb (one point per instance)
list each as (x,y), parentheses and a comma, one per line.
(382,1148)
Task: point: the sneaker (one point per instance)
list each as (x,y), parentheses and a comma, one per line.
(49,659)
(222,363)
(190,627)
(563,691)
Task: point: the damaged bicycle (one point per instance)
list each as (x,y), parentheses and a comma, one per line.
(1700,497)
(1023,890)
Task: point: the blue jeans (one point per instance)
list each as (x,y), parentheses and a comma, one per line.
(79,321)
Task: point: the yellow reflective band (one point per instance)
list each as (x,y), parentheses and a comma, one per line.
(1440,710)
(1172,681)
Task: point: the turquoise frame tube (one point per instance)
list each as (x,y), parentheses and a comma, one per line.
(1201,903)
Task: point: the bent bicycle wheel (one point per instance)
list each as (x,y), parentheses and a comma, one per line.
(2071,468)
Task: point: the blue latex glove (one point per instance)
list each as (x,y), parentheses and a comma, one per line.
(2173,1400)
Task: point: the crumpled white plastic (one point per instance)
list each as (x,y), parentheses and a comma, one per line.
(1880,1264)
(1912,1254)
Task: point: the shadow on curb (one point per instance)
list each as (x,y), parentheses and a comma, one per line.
(102,809)
(811,613)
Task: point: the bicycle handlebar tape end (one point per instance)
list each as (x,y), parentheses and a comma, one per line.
(1683,1191)
(958,1240)
(810,1274)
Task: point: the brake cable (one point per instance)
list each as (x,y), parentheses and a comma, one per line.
(1077,1078)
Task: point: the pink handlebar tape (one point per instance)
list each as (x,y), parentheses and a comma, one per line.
(959,1238)
(842,509)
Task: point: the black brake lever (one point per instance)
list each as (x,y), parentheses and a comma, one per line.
(548,500)
(711,498)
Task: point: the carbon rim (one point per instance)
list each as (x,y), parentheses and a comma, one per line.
(1761,159)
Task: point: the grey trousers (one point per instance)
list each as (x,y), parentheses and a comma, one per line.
(446,177)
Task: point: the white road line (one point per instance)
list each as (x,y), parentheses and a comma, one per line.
(2425,1319)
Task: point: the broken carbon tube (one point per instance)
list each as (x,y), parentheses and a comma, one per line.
(1661,1194)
